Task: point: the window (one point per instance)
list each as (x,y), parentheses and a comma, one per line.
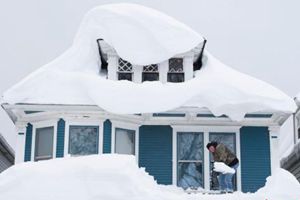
(124,70)
(125,141)
(190,160)
(150,73)
(228,139)
(43,143)
(83,140)
(176,73)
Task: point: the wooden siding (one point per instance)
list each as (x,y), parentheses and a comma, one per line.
(255,157)
(155,152)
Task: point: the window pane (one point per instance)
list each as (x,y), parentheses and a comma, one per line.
(228,139)
(83,140)
(125,76)
(44,143)
(150,76)
(125,141)
(175,77)
(176,65)
(190,175)
(124,66)
(190,146)
(190,159)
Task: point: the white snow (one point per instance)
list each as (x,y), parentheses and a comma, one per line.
(143,36)
(115,177)
(223,168)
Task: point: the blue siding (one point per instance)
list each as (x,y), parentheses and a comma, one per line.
(107,137)
(155,152)
(255,157)
(28,143)
(60,140)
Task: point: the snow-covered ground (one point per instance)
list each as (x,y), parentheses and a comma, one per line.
(115,177)
(143,36)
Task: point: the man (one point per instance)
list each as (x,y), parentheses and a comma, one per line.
(222,154)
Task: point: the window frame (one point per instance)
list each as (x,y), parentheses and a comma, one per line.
(134,142)
(190,161)
(125,72)
(154,72)
(46,157)
(170,72)
(97,142)
(125,125)
(83,122)
(43,124)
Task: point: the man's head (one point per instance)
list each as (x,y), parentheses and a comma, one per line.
(211,146)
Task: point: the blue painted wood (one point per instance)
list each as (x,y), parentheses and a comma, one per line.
(255,157)
(28,143)
(155,152)
(107,136)
(60,139)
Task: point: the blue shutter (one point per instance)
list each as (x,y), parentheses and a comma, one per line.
(28,143)
(107,137)
(155,152)
(60,140)
(255,157)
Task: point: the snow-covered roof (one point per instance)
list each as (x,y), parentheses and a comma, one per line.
(142,36)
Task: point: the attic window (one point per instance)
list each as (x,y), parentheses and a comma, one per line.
(150,73)
(124,70)
(176,73)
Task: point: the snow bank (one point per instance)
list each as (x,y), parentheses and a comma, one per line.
(89,177)
(283,185)
(114,177)
(143,36)
(223,168)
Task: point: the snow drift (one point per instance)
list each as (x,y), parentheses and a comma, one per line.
(143,36)
(114,177)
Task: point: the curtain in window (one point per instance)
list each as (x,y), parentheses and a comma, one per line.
(125,141)
(44,143)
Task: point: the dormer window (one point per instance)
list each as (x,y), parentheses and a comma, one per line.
(176,73)
(150,73)
(124,70)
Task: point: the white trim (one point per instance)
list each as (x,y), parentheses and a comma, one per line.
(129,126)
(87,122)
(206,130)
(20,142)
(44,124)
(238,155)
(274,147)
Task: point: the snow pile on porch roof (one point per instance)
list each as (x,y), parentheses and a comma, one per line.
(115,177)
(143,36)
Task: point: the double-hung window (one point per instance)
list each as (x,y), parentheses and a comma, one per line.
(150,73)
(190,155)
(124,70)
(44,143)
(125,141)
(176,72)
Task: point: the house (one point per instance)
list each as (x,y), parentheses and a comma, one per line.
(139,82)
(292,161)
(7,155)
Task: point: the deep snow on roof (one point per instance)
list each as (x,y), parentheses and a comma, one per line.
(143,36)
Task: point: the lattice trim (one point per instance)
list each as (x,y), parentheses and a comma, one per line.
(124,66)
(150,68)
(176,65)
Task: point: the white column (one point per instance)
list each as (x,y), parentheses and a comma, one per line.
(137,73)
(188,67)
(274,147)
(206,162)
(174,159)
(20,142)
(112,67)
(163,69)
